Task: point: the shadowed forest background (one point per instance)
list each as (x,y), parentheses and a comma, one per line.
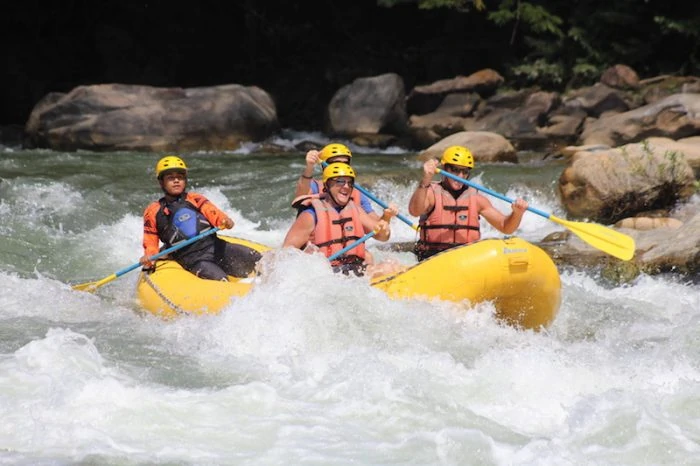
(303,52)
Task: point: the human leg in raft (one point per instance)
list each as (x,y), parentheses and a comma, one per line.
(229,259)
(370,268)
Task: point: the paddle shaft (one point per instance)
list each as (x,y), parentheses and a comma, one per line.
(401,217)
(352,246)
(119,273)
(167,251)
(488,191)
(600,237)
(381,203)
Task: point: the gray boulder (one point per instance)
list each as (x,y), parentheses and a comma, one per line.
(113,117)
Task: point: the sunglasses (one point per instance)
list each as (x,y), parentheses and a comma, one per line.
(340,182)
(457,169)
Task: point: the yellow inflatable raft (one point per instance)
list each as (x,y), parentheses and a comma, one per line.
(171,291)
(518,277)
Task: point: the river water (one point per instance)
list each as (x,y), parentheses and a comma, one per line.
(310,367)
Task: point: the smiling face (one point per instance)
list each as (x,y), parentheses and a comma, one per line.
(340,189)
(174,183)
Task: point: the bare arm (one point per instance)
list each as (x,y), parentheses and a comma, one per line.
(423,199)
(499,221)
(367,207)
(300,231)
(304,181)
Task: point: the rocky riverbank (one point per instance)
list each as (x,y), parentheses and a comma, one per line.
(632,146)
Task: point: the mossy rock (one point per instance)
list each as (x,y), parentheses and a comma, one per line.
(620,272)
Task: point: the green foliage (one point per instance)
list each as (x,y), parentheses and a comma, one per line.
(541,32)
(540,71)
(534,18)
(688,28)
(585,72)
(579,36)
(560,42)
(459,5)
(670,167)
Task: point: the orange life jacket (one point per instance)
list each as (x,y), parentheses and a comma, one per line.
(452,222)
(159,224)
(336,229)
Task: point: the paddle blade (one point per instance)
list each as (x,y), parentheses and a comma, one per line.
(601,237)
(92,286)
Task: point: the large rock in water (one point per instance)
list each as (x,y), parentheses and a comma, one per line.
(676,116)
(374,105)
(607,185)
(109,117)
(485,147)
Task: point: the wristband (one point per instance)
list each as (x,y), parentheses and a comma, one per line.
(424,185)
(306,177)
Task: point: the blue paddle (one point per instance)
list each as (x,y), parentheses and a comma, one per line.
(351,246)
(405,220)
(92,286)
(603,238)
(367,193)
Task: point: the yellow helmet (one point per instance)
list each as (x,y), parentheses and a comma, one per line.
(337,169)
(458,155)
(170,163)
(335,150)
